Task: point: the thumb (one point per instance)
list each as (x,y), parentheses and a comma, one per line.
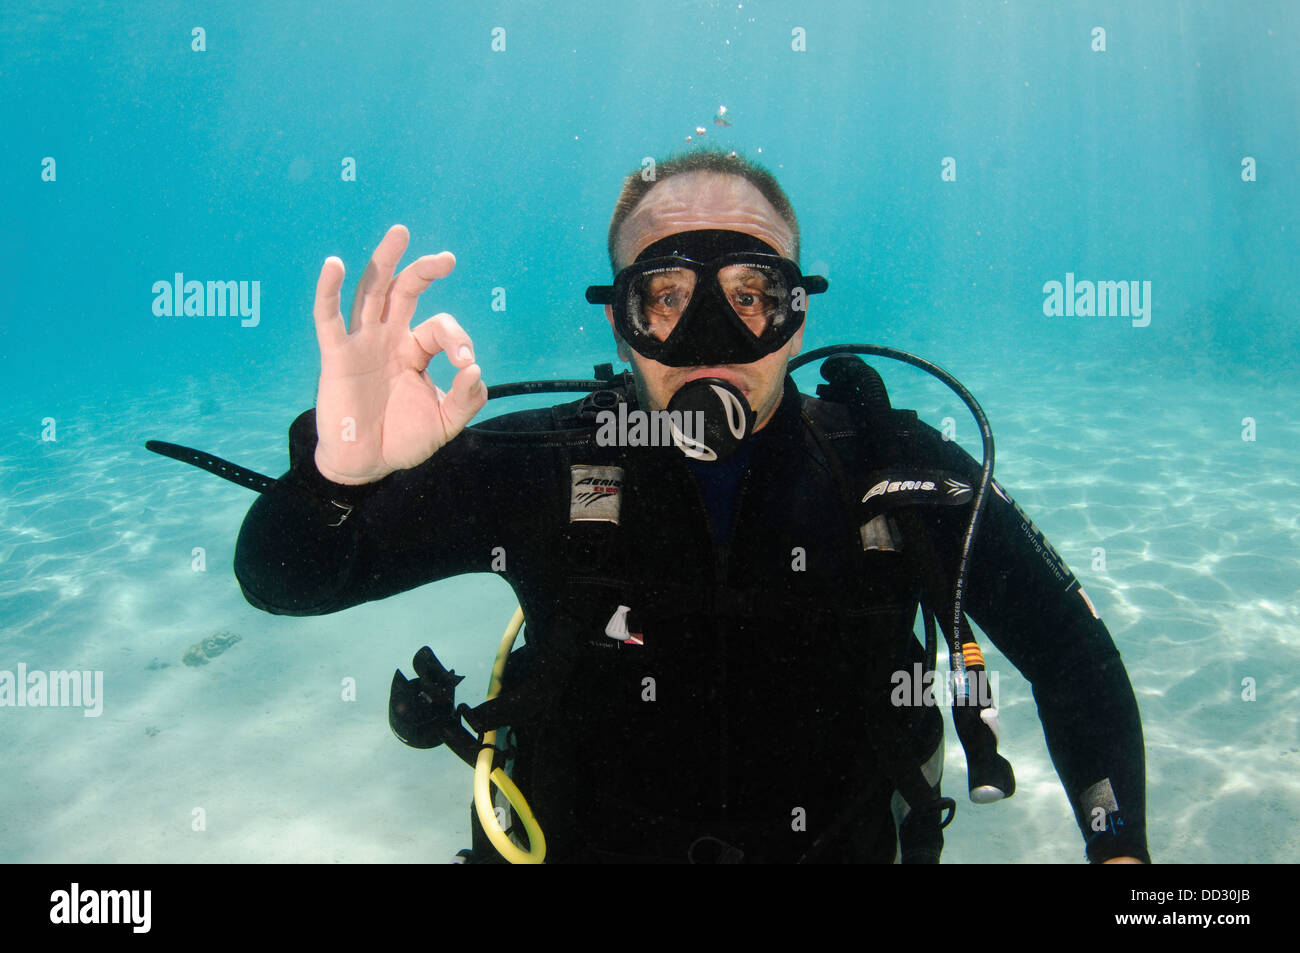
(467,397)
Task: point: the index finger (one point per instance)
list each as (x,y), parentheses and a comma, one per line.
(443,333)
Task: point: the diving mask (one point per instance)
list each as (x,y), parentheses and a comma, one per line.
(706,298)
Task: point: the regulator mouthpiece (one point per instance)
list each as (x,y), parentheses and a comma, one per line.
(710,419)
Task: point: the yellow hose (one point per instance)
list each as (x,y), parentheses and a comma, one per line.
(485,775)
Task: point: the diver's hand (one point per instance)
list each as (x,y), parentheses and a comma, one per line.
(376,409)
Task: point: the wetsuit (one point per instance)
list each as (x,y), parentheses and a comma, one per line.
(734,714)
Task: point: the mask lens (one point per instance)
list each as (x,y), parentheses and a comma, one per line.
(657,298)
(758,294)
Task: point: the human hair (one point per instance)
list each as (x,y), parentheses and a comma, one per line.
(635,187)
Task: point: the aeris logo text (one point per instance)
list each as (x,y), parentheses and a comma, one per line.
(886,486)
(595,488)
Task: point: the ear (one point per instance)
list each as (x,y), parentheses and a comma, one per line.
(624,352)
(796,342)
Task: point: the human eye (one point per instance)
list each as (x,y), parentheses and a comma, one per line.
(751,298)
(668,292)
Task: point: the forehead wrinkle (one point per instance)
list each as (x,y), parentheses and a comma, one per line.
(757,226)
(668,214)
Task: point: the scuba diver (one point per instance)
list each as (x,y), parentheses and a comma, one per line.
(719,660)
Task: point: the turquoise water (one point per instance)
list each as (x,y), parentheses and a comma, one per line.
(225,164)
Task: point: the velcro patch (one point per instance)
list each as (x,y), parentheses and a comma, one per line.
(1099,795)
(596,493)
(876,535)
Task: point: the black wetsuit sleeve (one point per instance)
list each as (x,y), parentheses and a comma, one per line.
(466,509)
(1022,594)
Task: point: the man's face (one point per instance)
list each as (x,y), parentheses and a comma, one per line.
(689,202)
